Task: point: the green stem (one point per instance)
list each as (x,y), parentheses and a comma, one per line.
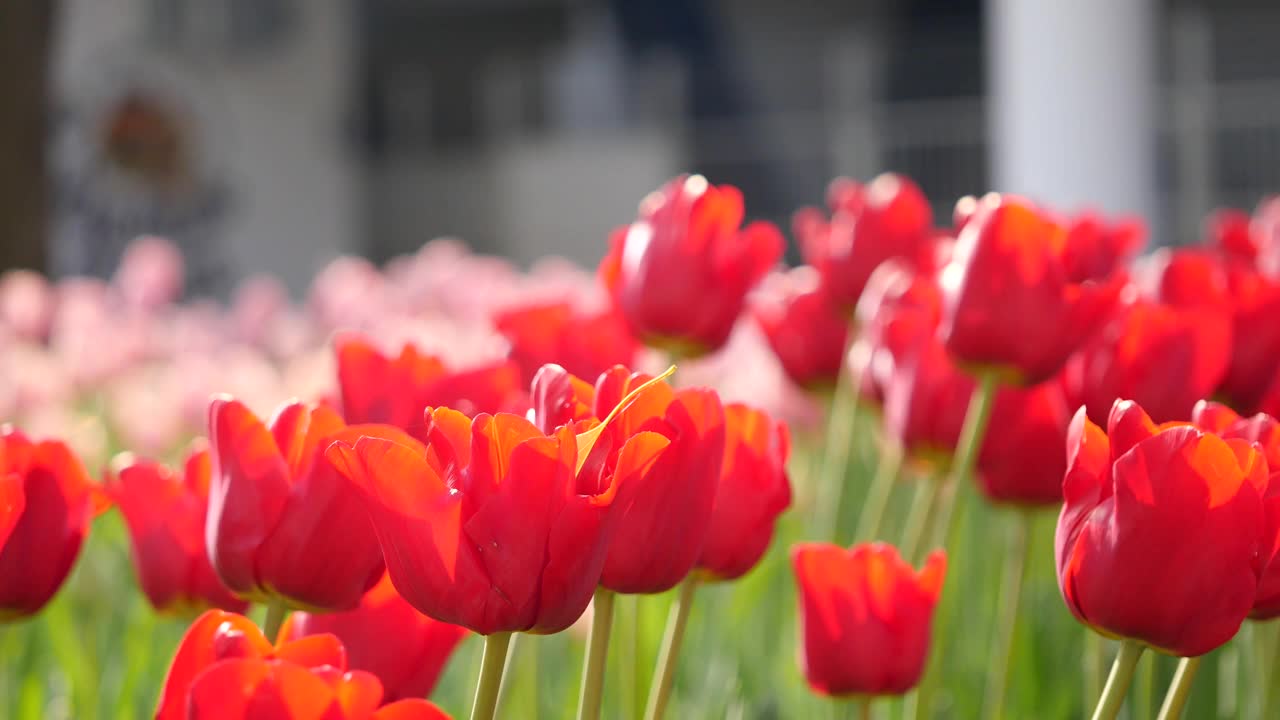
(1180,689)
(1269,671)
(878,494)
(835,460)
(491,665)
(966,456)
(664,675)
(1015,569)
(919,516)
(275,618)
(1092,666)
(1144,687)
(628,611)
(1118,681)
(597,655)
(864,707)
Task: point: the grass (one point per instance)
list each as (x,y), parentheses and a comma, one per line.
(98,651)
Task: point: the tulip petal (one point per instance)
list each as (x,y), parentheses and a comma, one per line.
(417,519)
(247,491)
(12,501)
(313,652)
(410,710)
(198,650)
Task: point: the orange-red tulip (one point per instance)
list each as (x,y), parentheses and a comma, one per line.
(888,218)
(1163,357)
(663,528)
(865,617)
(586,344)
(165,513)
(753,491)
(46,503)
(1265,431)
(1154,518)
(488,525)
(1012,298)
(386,636)
(225,668)
(680,273)
(282,523)
(395,390)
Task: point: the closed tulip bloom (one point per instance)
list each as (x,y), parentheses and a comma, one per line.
(282,523)
(1021,460)
(753,491)
(165,513)
(225,668)
(1265,431)
(46,502)
(386,636)
(899,311)
(865,617)
(488,525)
(584,343)
(1163,357)
(1255,350)
(926,400)
(1096,246)
(888,218)
(804,326)
(680,273)
(1154,516)
(1011,300)
(376,388)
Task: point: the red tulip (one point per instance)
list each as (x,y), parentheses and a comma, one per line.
(889,218)
(662,532)
(282,523)
(380,389)
(586,344)
(753,491)
(13,500)
(1265,431)
(1095,247)
(1228,230)
(489,525)
(166,518)
(386,636)
(1010,298)
(1203,278)
(865,617)
(680,273)
(225,668)
(804,326)
(1163,357)
(926,400)
(899,311)
(1021,461)
(46,502)
(1154,516)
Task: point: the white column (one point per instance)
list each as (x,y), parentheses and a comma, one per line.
(1072,102)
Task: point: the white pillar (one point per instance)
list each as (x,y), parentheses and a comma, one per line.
(1072,102)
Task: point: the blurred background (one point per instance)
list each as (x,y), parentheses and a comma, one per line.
(272,135)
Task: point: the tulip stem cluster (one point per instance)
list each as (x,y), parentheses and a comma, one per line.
(881,489)
(491,665)
(965,458)
(1118,681)
(1015,570)
(841,420)
(597,652)
(665,672)
(1180,689)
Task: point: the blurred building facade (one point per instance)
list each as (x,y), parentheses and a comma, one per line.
(268,135)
